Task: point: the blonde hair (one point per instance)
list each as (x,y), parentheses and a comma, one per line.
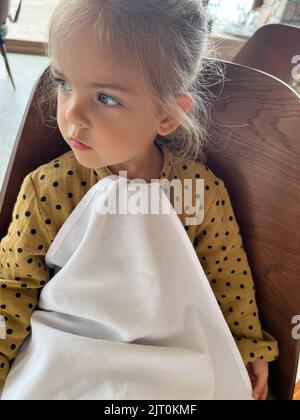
(165,41)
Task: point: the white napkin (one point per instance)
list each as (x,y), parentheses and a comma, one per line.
(129,313)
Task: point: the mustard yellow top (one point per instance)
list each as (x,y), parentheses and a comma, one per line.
(47,197)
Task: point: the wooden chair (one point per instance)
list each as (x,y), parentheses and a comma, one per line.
(272,49)
(255,133)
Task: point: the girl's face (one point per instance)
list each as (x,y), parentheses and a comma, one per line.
(115,121)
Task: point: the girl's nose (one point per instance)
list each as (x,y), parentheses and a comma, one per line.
(75,114)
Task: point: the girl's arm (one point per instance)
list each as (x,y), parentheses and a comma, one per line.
(23,273)
(220,250)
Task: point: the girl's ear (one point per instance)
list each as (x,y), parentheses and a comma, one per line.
(169,124)
(185,102)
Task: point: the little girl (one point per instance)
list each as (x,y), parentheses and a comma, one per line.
(125,75)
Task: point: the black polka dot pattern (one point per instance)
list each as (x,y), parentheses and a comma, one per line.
(218,244)
(47,197)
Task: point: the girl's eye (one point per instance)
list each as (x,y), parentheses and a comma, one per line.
(103,96)
(59,82)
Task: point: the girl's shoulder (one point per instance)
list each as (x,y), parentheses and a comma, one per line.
(60,185)
(188,169)
(176,165)
(64,177)
(61,168)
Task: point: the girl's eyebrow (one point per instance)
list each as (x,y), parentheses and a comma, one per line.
(103,85)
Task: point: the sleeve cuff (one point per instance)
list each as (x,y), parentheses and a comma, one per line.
(252,349)
(4,369)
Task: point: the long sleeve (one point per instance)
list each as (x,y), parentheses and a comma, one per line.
(23,272)
(219,247)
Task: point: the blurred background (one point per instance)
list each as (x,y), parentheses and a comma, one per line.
(244,17)
(238,17)
(33,20)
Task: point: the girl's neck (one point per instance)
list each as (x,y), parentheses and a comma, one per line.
(148,166)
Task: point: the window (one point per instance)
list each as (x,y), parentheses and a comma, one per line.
(236,17)
(244,17)
(33,20)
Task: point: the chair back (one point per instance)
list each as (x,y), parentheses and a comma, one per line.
(274,49)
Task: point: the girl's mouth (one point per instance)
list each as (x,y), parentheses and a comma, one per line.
(78,145)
